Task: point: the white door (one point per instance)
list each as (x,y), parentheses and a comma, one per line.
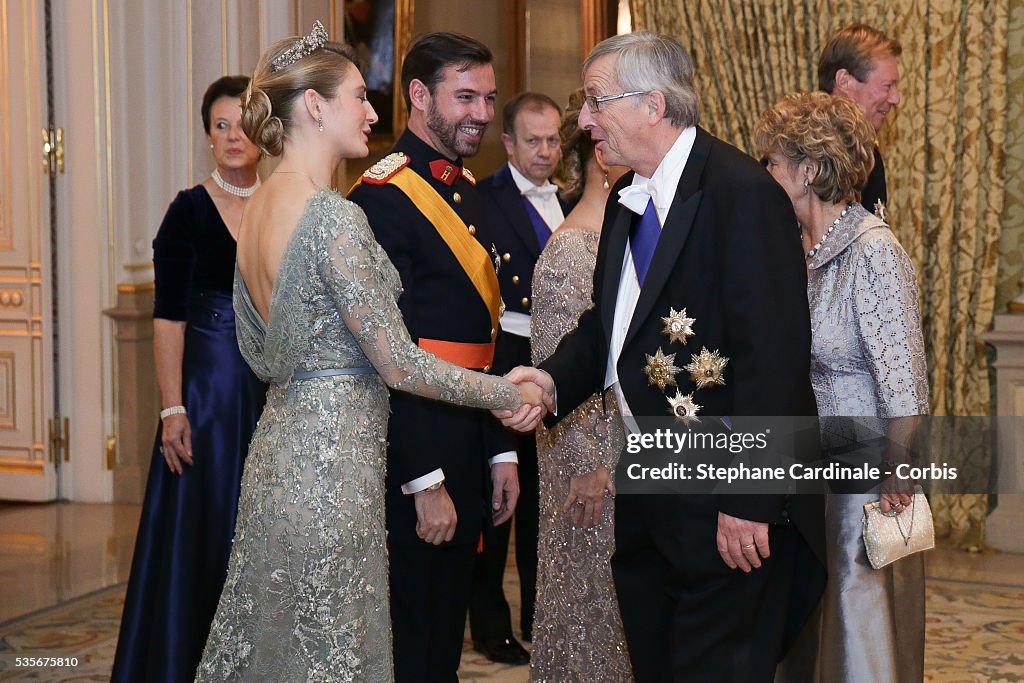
(28,462)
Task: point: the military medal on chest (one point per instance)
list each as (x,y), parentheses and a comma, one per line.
(677,326)
(683,408)
(880,210)
(706,367)
(661,370)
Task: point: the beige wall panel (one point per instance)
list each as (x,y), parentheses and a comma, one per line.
(8,385)
(553,59)
(110,145)
(22,430)
(16,379)
(24,367)
(6,233)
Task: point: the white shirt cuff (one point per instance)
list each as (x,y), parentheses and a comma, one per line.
(420,483)
(507,456)
(515,323)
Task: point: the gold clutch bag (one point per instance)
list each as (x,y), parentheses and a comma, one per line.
(888,538)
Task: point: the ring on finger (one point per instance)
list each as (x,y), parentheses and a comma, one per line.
(748,546)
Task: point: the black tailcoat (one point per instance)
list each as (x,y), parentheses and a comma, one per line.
(875,190)
(729,253)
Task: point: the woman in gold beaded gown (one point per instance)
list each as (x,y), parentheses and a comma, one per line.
(577,633)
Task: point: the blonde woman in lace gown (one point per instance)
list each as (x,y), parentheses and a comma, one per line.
(577,633)
(306,596)
(867,362)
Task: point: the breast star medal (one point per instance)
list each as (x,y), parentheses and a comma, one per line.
(661,369)
(677,326)
(706,367)
(683,408)
(880,210)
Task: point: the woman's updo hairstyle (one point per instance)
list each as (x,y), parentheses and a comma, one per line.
(577,146)
(832,131)
(280,79)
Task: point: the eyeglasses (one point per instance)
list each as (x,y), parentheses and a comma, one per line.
(594,102)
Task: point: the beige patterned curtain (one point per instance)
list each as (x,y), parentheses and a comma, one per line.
(944,150)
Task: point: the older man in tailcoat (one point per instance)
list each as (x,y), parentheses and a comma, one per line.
(699,260)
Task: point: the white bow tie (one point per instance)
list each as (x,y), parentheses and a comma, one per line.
(635,197)
(541,191)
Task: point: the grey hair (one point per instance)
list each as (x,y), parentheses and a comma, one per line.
(651,61)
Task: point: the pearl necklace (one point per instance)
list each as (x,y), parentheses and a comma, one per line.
(835,224)
(234,189)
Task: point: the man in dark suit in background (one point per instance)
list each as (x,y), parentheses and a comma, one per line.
(699,258)
(432,224)
(523,209)
(859,62)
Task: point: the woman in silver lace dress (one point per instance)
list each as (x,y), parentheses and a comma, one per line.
(867,362)
(306,597)
(577,633)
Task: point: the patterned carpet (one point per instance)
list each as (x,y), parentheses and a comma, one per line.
(975,635)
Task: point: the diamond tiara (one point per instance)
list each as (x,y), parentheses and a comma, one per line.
(303,47)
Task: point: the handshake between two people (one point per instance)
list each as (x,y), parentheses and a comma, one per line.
(742,544)
(537,390)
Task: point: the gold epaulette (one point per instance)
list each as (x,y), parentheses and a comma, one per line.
(468,176)
(382,171)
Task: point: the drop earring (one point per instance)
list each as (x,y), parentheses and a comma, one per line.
(605,183)
(320,124)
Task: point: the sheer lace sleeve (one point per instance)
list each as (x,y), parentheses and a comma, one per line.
(354,268)
(889,324)
(562,285)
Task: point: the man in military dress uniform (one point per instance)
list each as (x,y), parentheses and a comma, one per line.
(425,210)
(524,208)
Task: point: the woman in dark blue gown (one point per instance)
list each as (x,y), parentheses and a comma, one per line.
(211,402)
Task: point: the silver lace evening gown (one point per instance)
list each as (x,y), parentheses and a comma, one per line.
(867,359)
(577,632)
(306,596)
